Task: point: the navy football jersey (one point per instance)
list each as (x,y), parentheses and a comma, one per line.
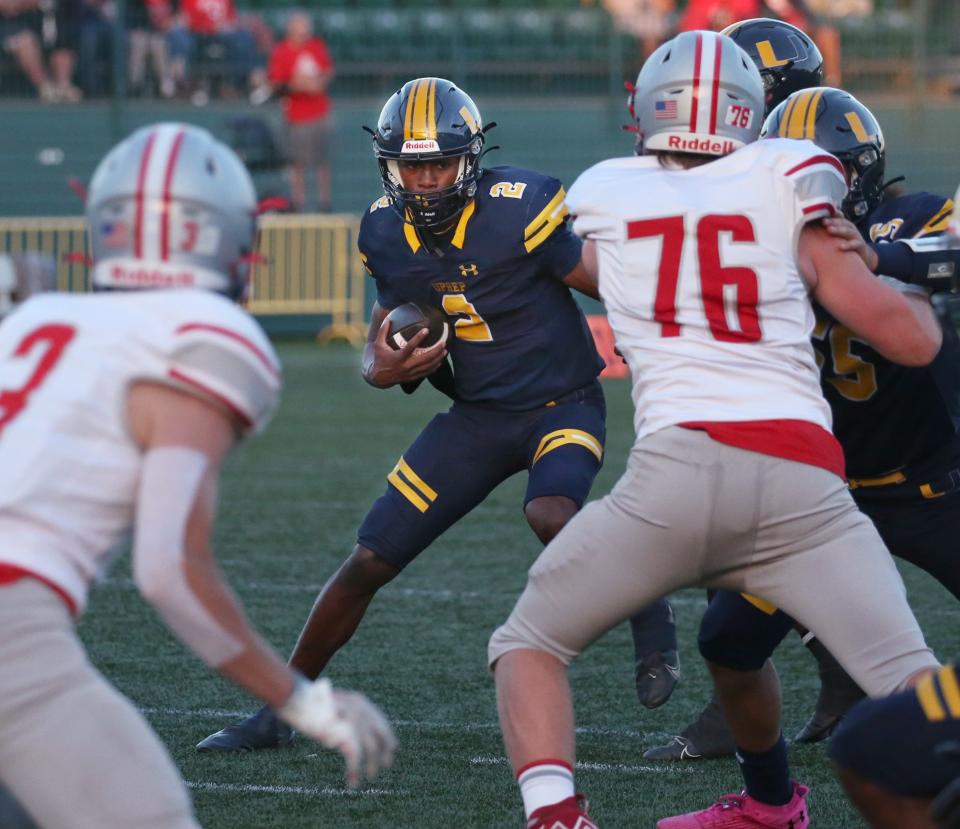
(888,416)
(518,339)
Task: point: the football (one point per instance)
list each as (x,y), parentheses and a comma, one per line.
(407,319)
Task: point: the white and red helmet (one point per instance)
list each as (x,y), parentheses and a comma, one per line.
(698,93)
(172,207)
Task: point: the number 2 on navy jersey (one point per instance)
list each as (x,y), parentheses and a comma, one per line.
(720,286)
(47,342)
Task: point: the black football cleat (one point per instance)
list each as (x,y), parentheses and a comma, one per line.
(820,726)
(656,674)
(257,732)
(838,693)
(705,738)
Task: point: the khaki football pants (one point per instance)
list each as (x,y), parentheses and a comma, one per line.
(692,511)
(73,750)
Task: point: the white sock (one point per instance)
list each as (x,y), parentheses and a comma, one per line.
(543,783)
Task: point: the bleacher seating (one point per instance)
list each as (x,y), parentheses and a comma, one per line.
(541,46)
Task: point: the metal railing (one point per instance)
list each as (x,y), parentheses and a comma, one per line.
(311,265)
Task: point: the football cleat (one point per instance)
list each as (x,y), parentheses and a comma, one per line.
(740,811)
(820,726)
(262,730)
(567,814)
(656,676)
(706,737)
(838,694)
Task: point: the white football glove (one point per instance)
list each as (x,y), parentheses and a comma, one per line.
(344,720)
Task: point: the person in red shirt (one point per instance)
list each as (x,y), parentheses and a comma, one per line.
(718,14)
(211,20)
(300,69)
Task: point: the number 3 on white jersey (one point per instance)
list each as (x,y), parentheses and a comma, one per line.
(720,287)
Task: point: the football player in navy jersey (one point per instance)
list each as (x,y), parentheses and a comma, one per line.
(897,425)
(491,249)
(899,756)
(787,58)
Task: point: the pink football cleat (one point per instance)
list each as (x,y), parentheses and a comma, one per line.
(740,811)
(567,814)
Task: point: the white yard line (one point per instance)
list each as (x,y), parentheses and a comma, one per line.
(673,768)
(422,725)
(126,583)
(250,788)
(409,592)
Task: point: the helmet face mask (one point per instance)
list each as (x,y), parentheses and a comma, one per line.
(171,207)
(838,123)
(429,118)
(788,60)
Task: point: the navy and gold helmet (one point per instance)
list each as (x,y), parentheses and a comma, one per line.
(429,118)
(787,58)
(838,123)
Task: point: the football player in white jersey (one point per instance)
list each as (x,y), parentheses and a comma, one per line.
(116,411)
(709,248)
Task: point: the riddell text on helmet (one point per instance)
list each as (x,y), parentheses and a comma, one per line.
(699,145)
(422,146)
(151,276)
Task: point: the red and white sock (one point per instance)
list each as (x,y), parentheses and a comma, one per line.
(543,783)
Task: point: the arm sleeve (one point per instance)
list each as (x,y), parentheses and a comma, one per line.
(925,262)
(232,364)
(169,481)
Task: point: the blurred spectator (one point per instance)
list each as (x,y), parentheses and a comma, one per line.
(265,39)
(82,39)
(718,14)
(21,22)
(149,21)
(840,8)
(647,21)
(300,70)
(201,31)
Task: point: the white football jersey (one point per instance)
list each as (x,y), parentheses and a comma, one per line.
(699,279)
(69,470)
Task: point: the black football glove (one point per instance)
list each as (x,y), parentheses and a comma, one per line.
(441,380)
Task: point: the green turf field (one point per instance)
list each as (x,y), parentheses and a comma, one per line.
(290,503)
